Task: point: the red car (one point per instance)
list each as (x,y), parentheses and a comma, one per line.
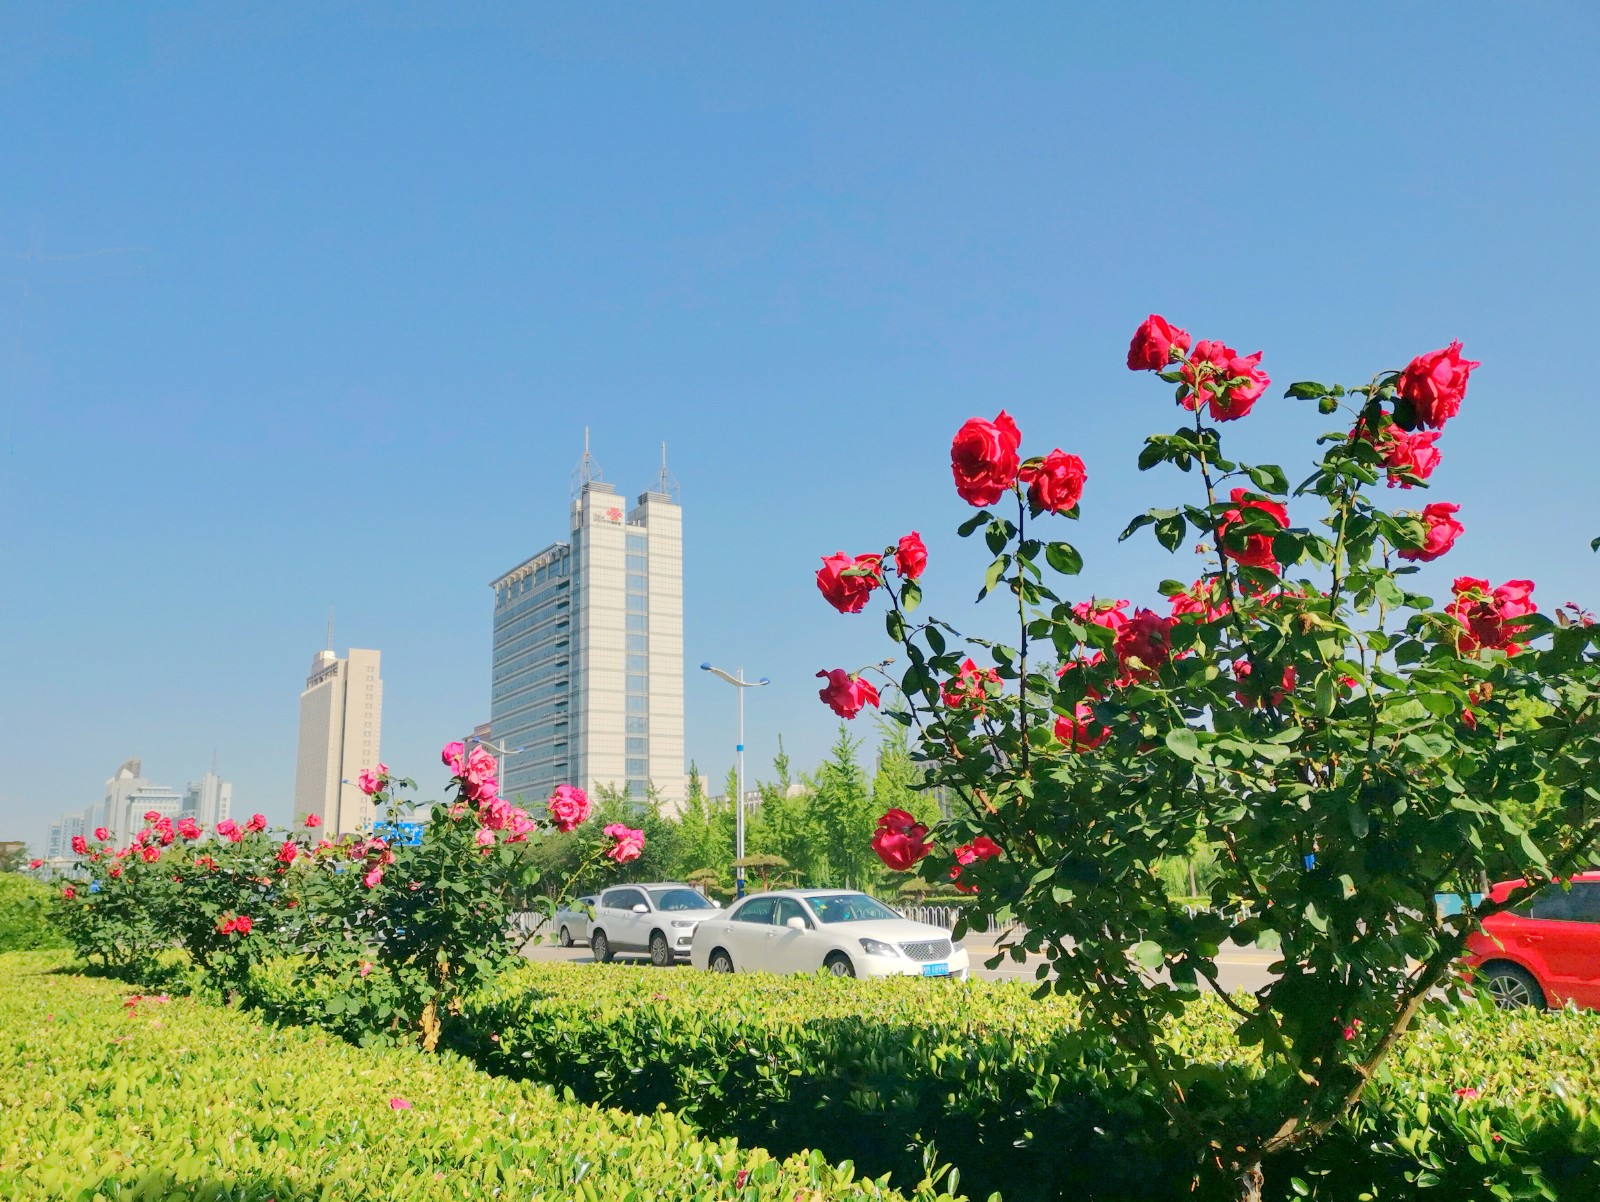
(1544,952)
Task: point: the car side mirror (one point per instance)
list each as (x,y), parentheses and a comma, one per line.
(641,908)
(796,923)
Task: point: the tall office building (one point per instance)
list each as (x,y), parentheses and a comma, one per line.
(208,800)
(588,649)
(341,721)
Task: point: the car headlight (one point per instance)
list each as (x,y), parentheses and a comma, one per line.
(877,947)
(682,923)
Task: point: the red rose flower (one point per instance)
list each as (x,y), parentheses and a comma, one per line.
(102,834)
(1202,598)
(1435,384)
(258,822)
(69,893)
(80,845)
(846,694)
(910,556)
(983,458)
(1080,732)
(1257,550)
(35,863)
(1144,643)
(150,854)
(1408,455)
(900,840)
(1230,382)
(1442,530)
(1151,348)
(1056,485)
(981,848)
(970,687)
(568,808)
(1489,619)
(848,594)
(1102,613)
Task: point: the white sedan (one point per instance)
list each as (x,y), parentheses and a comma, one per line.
(803,930)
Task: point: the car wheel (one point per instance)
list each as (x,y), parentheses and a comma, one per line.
(601,946)
(839,965)
(720,961)
(1512,987)
(660,953)
(566,937)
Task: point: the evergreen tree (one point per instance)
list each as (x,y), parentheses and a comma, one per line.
(843,810)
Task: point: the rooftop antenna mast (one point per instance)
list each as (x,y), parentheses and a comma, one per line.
(330,628)
(587,471)
(666,483)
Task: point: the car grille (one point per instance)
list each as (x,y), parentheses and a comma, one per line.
(927,953)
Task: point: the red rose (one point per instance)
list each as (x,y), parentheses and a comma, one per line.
(1489,618)
(1435,384)
(900,840)
(258,822)
(568,807)
(970,686)
(80,845)
(910,556)
(1151,348)
(1080,733)
(1202,598)
(846,694)
(1056,485)
(1408,455)
(1442,530)
(150,854)
(1241,672)
(1229,381)
(981,848)
(1144,643)
(35,863)
(102,834)
(983,458)
(69,893)
(1102,613)
(848,594)
(1257,551)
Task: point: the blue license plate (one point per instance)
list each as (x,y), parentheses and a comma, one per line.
(936,970)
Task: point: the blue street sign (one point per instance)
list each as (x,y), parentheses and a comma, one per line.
(400,834)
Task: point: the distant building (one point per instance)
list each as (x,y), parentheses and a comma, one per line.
(587,678)
(208,800)
(341,727)
(114,812)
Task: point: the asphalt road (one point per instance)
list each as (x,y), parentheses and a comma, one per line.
(1238,967)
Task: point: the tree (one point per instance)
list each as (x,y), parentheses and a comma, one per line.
(844,814)
(1340,744)
(764,865)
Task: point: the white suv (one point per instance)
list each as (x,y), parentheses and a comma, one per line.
(656,919)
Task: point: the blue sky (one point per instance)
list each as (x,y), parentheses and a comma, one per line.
(304,307)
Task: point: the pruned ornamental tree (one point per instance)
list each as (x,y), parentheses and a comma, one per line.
(1343,745)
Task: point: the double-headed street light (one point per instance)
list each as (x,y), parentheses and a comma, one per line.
(740,684)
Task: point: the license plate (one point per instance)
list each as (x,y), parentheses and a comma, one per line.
(936,970)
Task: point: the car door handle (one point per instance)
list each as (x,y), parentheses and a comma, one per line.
(1529,940)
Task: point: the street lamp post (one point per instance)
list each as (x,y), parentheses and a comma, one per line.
(740,684)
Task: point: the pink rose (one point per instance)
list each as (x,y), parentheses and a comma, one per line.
(846,694)
(1219,375)
(629,843)
(1435,384)
(288,852)
(568,807)
(983,458)
(399,1104)
(369,782)
(848,594)
(1441,532)
(1151,348)
(454,757)
(373,877)
(1257,550)
(69,893)
(485,837)
(484,790)
(102,834)
(970,687)
(1489,618)
(313,820)
(150,854)
(1202,598)
(80,845)
(258,822)
(910,556)
(1102,613)
(152,815)
(189,829)
(480,766)
(900,840)
(1408,455)
(1056,485)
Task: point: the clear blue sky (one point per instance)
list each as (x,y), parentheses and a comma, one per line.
(305,305)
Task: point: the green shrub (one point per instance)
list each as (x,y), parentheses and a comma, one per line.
(105,1096)
(1020,1097)
(25,915)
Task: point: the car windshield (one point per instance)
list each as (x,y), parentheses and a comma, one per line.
(849,907)
(679,899)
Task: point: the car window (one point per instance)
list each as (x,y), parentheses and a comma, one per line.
(679,899)
(758,909)
(1580,903)
(789,908)
(850,907)
(622,899)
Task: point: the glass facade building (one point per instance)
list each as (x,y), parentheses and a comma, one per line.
(587,678)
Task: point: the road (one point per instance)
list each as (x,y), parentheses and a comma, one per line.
(1237,967)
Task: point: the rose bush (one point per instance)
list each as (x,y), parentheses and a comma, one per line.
(1339,743)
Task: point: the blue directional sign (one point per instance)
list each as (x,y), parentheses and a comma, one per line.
(400,834)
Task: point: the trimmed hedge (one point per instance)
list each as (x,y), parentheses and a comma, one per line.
(1020,1098)
(108,1096)
(25,915)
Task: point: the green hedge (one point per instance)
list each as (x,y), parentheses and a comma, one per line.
(105,1097)
(25,915)
(1017,1095)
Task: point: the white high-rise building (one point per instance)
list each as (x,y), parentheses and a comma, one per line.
(208,800)
(341,724)
(588,650)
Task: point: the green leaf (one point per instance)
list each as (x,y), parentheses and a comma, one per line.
(1183,743)
(1148,955)
(1170,531)
(971,524)
(1138,523)
(1306,390)
(1064,558)
(1326,693)
(910,595)
(1269,478)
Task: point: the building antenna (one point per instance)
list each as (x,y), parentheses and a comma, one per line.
(666,483)
(588,470)
(330,628)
